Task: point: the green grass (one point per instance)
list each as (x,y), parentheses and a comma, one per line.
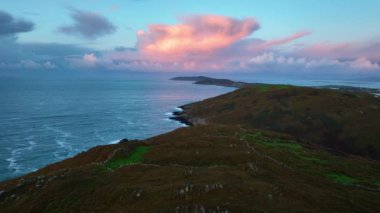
(280,144)
(268,87)
(134,158)
(341,178)
(281,87)
(273,142)
(264,88)
(298,150)
(253,136)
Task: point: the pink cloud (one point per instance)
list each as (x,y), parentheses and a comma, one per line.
(202,42)
(89,58)
(364,64)
(278,42)
(351,50)
(309,63)
(196,35)
(327,50)
(211,42)
(247,48)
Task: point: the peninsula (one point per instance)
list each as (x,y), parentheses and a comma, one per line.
(260,148)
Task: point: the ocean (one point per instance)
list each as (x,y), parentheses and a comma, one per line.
(45,121)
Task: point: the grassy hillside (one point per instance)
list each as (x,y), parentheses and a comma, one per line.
(235,163)
(342,121)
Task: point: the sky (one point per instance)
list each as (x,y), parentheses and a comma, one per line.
(284,36)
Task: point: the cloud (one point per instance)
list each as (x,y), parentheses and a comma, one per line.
(196,43)
(88,25)
(209,42)
(363,63)
(88,60)
(195,35)
(352,55)
(351,50)
(272,58)
(43,50)
(12,51)
(277,42)
(36,56)
(28,65)
(310,63)
(205,42)
(265,58)
(10,26)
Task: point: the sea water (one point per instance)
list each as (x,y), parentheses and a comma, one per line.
(46,120)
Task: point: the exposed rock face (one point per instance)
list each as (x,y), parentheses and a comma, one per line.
(125,140)
(182,117)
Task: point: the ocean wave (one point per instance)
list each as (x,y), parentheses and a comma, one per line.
(177,109)
(169,114)
(64,149)
(16,154)
(104,141)
(62,144)
(114,142)
(64,134)
(13,165)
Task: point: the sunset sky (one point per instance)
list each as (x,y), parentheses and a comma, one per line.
(208,35)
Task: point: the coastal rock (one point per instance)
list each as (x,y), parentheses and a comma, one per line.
(125,140)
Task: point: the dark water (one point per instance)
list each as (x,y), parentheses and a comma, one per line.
(44,121)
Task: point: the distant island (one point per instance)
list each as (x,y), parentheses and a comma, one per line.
(260,148)
(212,81)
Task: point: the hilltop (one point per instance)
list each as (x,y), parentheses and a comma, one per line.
(266,148)
(345,122)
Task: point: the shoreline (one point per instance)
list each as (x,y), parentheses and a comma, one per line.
(178,116)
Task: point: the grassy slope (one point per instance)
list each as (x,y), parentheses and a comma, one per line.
(214,167)
(347,122)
